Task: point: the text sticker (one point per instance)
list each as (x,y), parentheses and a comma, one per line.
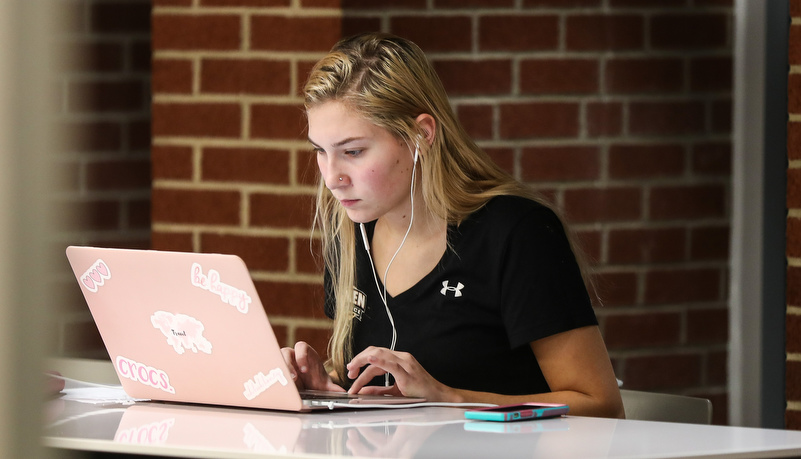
(182,332)
(144,374)
(228,294)
(96,276)
(262,382)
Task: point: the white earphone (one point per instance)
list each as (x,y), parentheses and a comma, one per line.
(386,272)
(417,146)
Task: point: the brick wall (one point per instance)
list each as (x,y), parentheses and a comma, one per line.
(104,103)
(793,319)
(618,109)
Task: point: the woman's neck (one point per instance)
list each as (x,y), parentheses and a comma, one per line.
(425,225)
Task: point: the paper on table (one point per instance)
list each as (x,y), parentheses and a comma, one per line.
(87,392)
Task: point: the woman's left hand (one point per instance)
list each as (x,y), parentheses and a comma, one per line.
(411,379)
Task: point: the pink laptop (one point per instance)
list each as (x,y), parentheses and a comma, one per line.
(189,327)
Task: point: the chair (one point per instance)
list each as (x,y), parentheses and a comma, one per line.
(650,406)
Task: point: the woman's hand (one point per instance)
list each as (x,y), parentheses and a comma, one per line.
(575,364)
(306,368)
(411,379)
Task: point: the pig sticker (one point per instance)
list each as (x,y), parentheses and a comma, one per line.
(182,332)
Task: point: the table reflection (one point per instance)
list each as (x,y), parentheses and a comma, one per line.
(182,430)
(403,432)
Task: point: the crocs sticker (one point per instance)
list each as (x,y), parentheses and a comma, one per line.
(96,276)
(262,382)
(154,433)
(228,294)
(182,332)
(144,374)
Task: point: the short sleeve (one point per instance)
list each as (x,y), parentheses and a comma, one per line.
(542,289)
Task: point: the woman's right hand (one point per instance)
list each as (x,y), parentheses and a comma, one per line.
(306,368)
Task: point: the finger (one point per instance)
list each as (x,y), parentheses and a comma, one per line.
(289,357)
(371,371)
(367,375)
(333,387)
(363,358)
(359,383)
(379,390)
(303,353)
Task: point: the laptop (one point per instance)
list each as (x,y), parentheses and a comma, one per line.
(189,327)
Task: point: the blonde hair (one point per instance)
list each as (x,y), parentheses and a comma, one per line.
(389,81)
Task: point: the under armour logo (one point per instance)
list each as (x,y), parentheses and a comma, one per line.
(457,291)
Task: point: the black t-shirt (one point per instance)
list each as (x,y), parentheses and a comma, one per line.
(510,279)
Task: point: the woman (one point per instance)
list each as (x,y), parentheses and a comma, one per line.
(445,277)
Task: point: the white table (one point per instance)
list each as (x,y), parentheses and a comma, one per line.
(220,432)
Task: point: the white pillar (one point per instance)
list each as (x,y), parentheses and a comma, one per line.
(25,139)
(745,337)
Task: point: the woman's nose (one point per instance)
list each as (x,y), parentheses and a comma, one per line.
(337,181)
(334,176)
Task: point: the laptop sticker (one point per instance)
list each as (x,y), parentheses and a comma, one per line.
(154,433)
(182,332)
(262,382)
(96,276)
(228,294)
(144,374)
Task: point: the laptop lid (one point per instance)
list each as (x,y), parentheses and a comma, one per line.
(186,327)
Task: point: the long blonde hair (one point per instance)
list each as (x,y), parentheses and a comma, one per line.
(389,81)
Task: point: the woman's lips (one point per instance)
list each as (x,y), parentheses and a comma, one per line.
(348,202)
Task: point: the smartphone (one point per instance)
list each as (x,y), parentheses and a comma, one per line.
(518,412)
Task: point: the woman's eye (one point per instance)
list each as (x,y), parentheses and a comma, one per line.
(353,152)
(319,151)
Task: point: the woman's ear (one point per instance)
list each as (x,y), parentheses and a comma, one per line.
(428,125)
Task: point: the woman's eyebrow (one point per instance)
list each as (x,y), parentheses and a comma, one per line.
(338,144)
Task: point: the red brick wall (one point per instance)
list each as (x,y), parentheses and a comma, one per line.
(793,328)
(618,109)
(104,102)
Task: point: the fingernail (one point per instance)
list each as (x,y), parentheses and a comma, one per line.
(303,369)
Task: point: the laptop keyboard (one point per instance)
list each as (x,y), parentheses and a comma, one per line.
(324,395)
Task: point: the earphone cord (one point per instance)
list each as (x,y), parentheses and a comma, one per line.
(386,271)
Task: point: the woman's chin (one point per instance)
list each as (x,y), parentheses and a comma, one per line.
(359,217)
